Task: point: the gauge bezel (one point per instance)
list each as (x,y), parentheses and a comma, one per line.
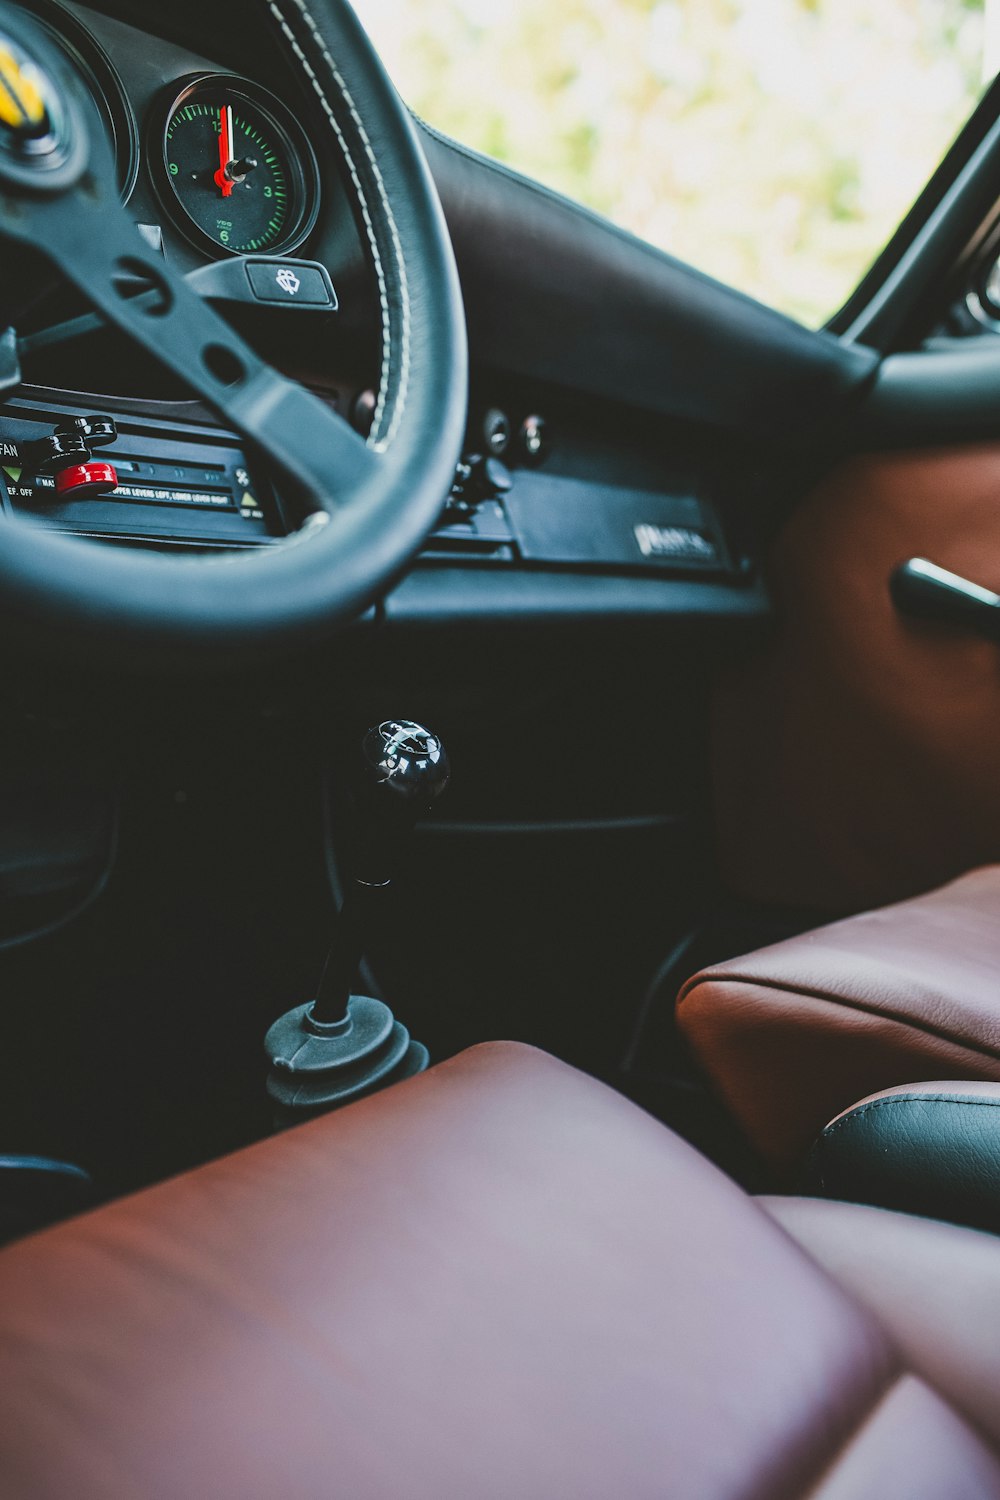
(103,81)
(301,159)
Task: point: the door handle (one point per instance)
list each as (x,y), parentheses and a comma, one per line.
(926,592)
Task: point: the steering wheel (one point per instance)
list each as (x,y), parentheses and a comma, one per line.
(368,503)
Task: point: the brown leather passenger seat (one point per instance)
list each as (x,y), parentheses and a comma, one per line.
(794,1033)
(498,1281)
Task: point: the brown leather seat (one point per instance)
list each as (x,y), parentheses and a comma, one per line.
(935,1289)
(795,1033)
(498,1280)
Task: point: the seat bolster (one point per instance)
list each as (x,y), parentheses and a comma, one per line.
(794,1033)
(912,1445)
(499,1279)
(784,1062)
(934,1288)
(927,1148)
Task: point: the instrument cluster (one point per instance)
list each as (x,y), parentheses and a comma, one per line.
(232,168)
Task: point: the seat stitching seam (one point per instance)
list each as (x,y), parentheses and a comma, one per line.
(844,1004)
(903,1099)
(870,1414)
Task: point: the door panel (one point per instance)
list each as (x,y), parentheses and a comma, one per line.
(855,753)
(857,756)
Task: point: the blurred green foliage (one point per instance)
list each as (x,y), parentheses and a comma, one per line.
(773,143)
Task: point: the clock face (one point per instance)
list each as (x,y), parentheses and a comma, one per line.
(239,171)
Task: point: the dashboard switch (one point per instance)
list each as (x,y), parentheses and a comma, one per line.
(95,431)
(256,280)
(83,480)
(292,283)
(533,439)
(61,450)
(496,431)
(363,409)
(69,446)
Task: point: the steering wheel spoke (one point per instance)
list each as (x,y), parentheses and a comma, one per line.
(90,239)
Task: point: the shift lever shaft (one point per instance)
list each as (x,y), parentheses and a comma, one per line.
(403,770)
(341,1045)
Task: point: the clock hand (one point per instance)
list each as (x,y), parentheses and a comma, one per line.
(222,178)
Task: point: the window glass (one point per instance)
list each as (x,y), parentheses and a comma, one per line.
(774,143)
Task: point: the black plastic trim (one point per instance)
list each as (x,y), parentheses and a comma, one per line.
(934,233)
(923,399)
(559,828)
(439,596)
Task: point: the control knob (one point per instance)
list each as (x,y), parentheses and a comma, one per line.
(67,453)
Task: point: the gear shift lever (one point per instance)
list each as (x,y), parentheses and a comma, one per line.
(340,1045)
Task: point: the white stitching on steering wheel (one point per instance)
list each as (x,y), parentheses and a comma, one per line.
(375,440)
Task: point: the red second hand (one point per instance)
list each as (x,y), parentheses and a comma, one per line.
(225,154)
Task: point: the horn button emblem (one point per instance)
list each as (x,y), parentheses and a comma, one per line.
(23,93)
(402,739)
(39,121)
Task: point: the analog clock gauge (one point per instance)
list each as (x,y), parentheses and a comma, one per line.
(237,169)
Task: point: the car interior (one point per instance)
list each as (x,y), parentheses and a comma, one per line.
(499,823)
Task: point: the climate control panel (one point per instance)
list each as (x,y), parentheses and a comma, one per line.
(119,477)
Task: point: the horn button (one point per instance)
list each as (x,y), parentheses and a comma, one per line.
(43,141)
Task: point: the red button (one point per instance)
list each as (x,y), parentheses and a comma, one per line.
(86,479)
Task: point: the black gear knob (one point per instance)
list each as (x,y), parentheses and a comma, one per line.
(404,769)
(405,762)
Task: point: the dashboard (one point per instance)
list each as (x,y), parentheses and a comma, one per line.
(217,168)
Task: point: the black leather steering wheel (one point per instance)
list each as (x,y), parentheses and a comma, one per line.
(368,504)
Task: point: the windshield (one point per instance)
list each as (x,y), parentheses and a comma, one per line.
(773,143)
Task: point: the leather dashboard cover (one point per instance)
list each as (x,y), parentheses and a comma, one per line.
(556,293)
